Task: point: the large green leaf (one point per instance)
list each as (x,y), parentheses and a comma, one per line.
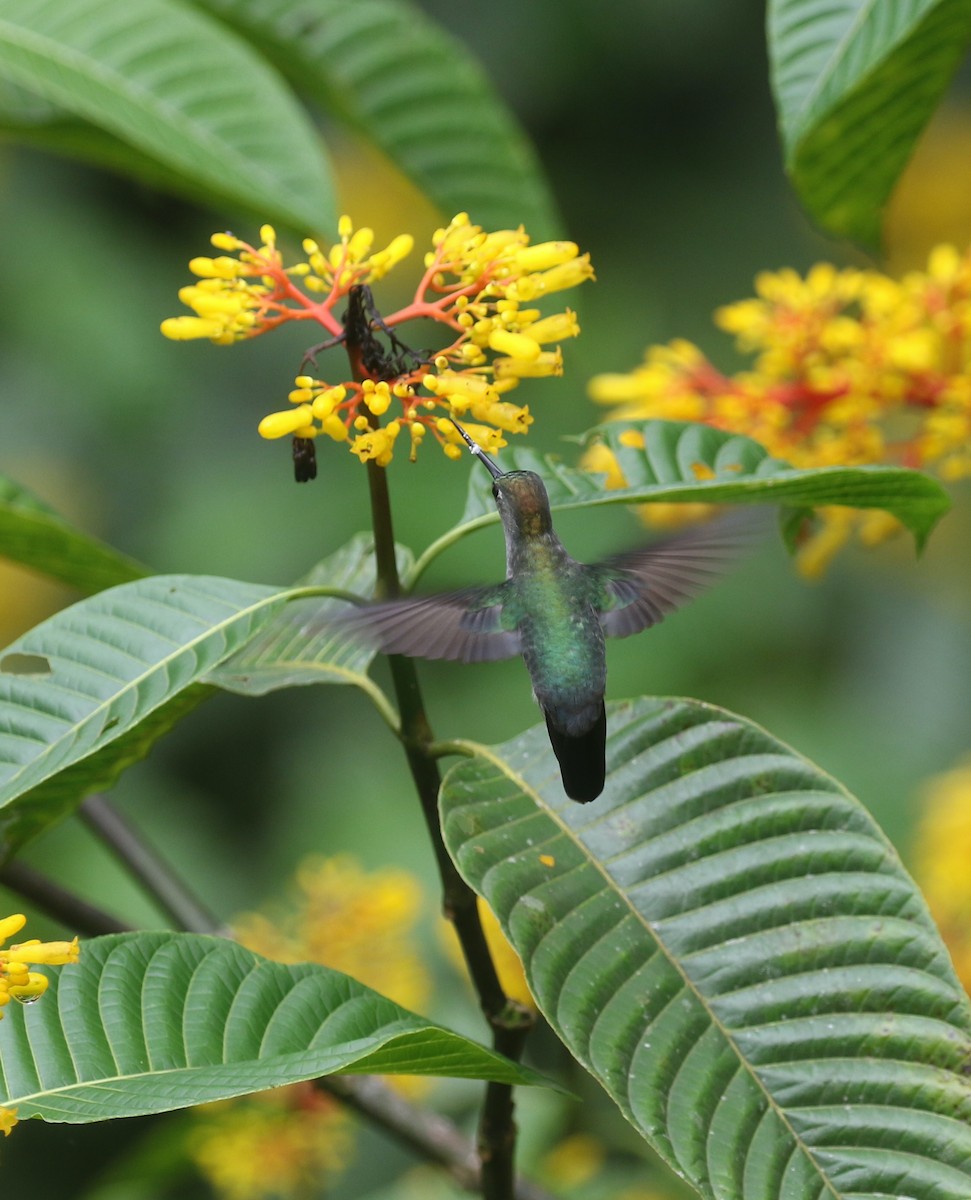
(730,945)
(87,692)
(855,82)
(178,87)
(33,534)
(151,1022)
(413,91)
(297,646)
(686,462)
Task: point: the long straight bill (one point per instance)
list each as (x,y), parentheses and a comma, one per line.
(479,453)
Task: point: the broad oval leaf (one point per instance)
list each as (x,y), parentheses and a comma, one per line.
(122,667)
(727,941)
(855,82)
(179,87)
(397,78)
(33,534)
(686,462)
(151,1022)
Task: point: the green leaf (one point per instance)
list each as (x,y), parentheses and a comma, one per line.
(296,646)
(123,666)
(181,89)
(686,462)
(855,82)
(34,535)
(730,945)
(151,1022)
(414,92)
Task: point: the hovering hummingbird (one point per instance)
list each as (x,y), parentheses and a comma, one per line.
(555,612)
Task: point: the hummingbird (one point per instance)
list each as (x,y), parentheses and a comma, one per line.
(555,612)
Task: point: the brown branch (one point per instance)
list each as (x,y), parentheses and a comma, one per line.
(435,1138)
(148,867)
(75,914)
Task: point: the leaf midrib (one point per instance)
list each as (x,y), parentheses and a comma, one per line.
(834,60)
(481,751)
(371,1044)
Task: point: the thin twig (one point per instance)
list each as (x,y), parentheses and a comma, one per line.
(156,876)
(435,1138)
(75,914)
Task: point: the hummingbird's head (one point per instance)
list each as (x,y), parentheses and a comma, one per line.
(520,496)
(523,503)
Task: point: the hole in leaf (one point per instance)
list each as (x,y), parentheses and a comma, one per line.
(25,664)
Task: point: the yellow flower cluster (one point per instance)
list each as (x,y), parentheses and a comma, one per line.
(285,1143)
(281,1143)
(479,287)
(942,851)
(850,367)
(356,921)
(18,982)
(243,296)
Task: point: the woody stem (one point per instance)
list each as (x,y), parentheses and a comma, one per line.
(508,1021)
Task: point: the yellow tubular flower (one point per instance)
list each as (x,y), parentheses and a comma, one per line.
(545,255)
(509,417)
(516,345)
(553,329)
(17,981)
(282,424)
(8,1119)
(185,329)
(488,439)
(549,362)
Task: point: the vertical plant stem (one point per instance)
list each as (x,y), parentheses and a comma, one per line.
(509,1022)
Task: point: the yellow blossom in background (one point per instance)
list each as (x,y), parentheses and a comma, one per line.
(17,981)
(285,1143)
(508,964)
(360,922)
(8,1119)
(270,1146)
(942,854)
(481,289)
(849,368)
(581,1166)
(574,1161)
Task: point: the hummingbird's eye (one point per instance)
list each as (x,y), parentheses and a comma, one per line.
(495,492)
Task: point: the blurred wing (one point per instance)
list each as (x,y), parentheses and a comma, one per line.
(465,625)
(643,586)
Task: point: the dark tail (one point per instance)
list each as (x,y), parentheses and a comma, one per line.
(581,758)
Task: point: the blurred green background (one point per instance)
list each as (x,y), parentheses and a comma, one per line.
(656,127)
